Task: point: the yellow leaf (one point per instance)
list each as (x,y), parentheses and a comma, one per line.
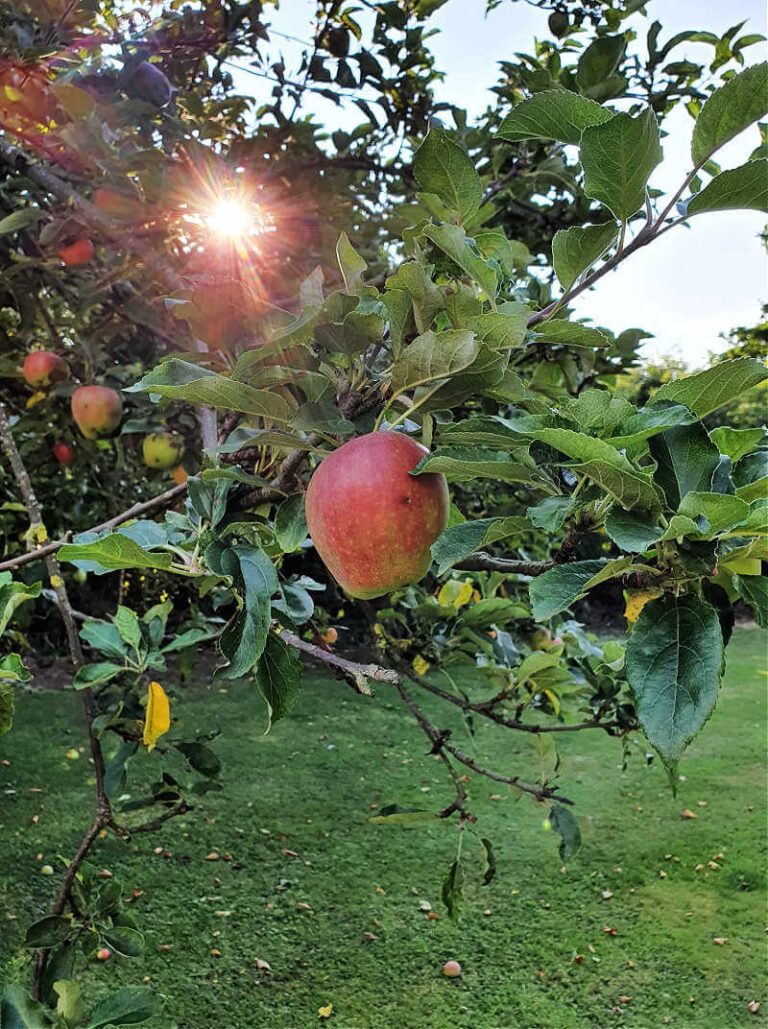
(40,534)
(553,701)
(636,601)
(158,720)
(455,594)
(326,1011)
(56,580)
(36,398)
(420,665)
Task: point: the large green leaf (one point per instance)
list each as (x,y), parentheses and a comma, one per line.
(571,334)
(601,462)
(754,590)
(503,328)
(552,114)
(96,674)
(291,523)
(352,265)
(486,371)
(459,541)
(561,586)
(413,279)
(12,595)
(722,511)
(115,551)
(673,660)
(649,421)
(598,64)
(686,460)
(481,430)
(242,642)
(618,158)
(633,531)
(703,392)
(744,188)
(278,677)
(566,825)
(128,1006)
(181,380)
(736,443)
(462,464)
(432,357)
(19,1011)
(441,166)
(12,669)
(729,110)
(576,249)
(453,241)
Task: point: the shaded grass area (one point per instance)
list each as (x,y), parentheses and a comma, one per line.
(308,788)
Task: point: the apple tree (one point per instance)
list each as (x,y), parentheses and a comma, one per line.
(368,334)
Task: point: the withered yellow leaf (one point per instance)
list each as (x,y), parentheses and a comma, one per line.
(325,1012)
(158,718)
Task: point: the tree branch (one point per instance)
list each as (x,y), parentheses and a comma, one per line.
(482,562)
(356,673)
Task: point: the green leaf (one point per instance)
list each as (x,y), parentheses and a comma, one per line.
(189,639)
(576,249)
(550,513)
(673,661)
(649,421)
(485,372)
(618,158)
(750,476)
(744,188)
(458,541)
(68,1000)
(603,463)
(19,1011)
(104,636)
(432,357)
(128,1006)
(754,591)
(441,166)
(351,264)
(453,241)
(291,523)
(571,334)
(703,392)
(561,586)
(686,460)
(729,110)
(243,640)
(48,931)
(597,411)
(12,669)
(125,940)
(393,814)
(6,705)
(736,443)
(462,464)
(278,677)
(489,872)
(413,280)
(633,531)
(180,380)
(20,219)
(12,595)
(504,328)
(722,511)
(115,778)
(324,417)
(600,61)
(553,114)
(115,551)
(452,889)
(492,611)
(127,624)
(565,824)
(96,674)
(201,758)
(481,430)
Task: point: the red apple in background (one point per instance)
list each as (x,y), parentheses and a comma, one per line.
(371,522)
(64,453)
(77,253)
(451,969)
(97,410)
(42,367)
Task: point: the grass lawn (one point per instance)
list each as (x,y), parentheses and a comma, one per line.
(308,789)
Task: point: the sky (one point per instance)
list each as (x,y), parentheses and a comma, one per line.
(687,287)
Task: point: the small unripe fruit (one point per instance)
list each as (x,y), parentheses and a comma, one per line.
(451,969)
(42,367)
(97,410)
(64,453)
(179,475)
(46,870)
(540,639)
(558,23)
(77,253)
(102,954)
(330,636)
(162,450)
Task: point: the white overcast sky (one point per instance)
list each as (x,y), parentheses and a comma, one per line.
(685,288)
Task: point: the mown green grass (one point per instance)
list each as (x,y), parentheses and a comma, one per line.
(308,787)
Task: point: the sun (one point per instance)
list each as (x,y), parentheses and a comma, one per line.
(233,218)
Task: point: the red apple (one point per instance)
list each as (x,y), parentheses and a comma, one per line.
(452,969)
(42,367)
(97,410)
(77,253)
(64,453)
(371,522)
(102,954)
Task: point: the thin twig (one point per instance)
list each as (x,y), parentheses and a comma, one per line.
(357,673)
(482,562)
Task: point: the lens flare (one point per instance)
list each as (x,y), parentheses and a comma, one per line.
(233,218)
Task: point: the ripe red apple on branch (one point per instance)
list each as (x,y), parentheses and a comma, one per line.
(77,253)
(372,522)
(97,410)
(42,367)
(64,453)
